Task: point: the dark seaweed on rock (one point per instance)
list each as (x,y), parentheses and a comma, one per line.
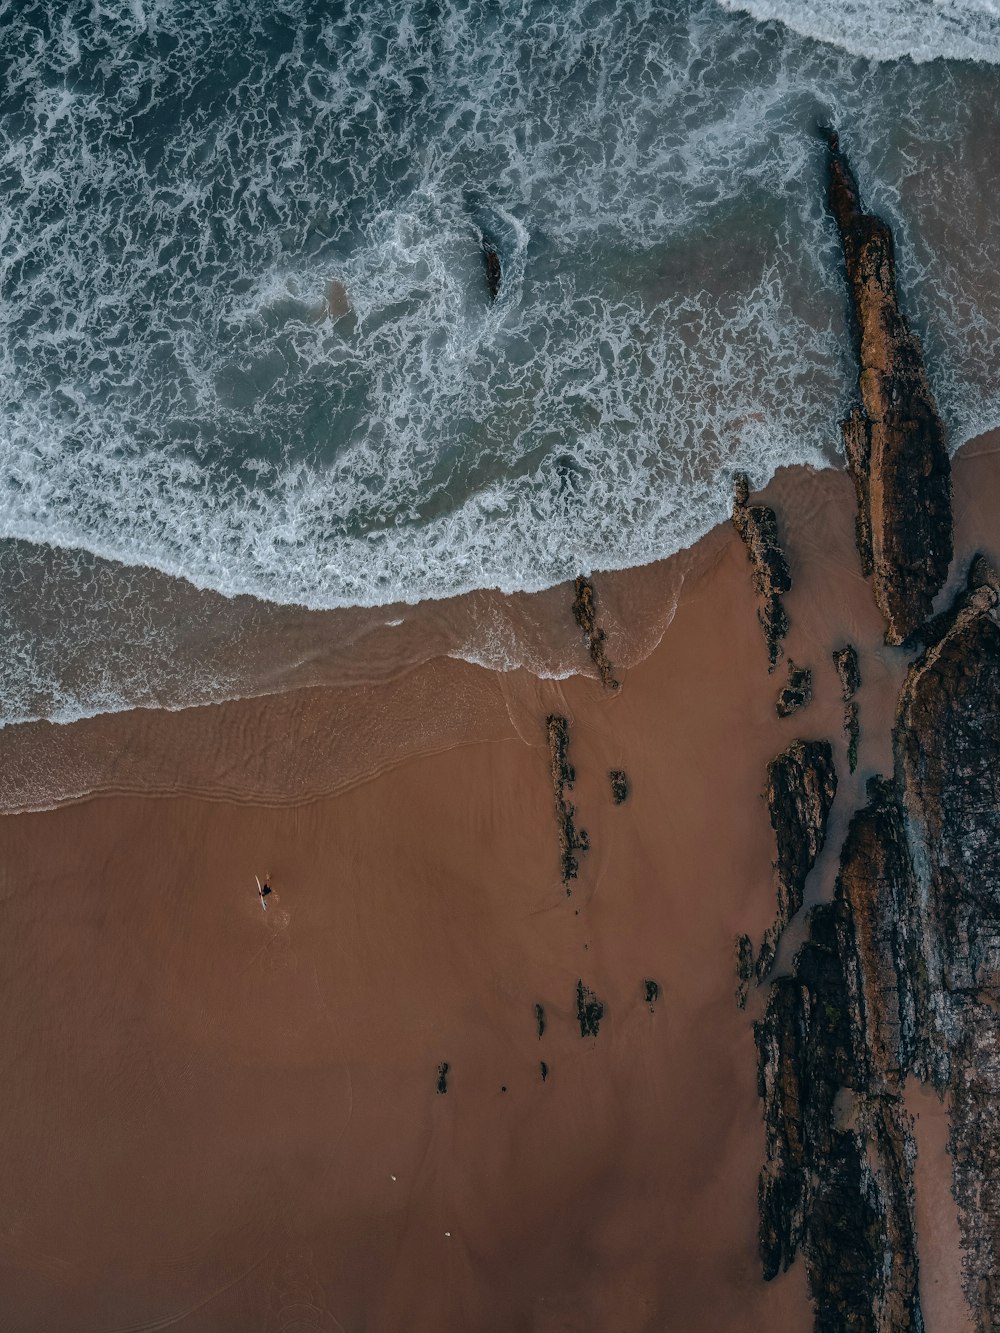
(797,691)
(619,786)
(589,1010)
(652,992)
(442,1078)
(801,785)
(571,839)
(758,530)
(585,615)
(540,1020)
(895,440)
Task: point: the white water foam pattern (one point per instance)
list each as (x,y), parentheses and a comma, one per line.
(920,30)
(182,183)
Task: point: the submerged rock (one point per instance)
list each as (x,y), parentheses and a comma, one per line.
(585,614)
(758,530)
(895,440)
(652,991)
(492,268)
(619,786)
(797,691)
(442,1078)
(801,785)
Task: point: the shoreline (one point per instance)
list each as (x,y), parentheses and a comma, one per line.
(418,917)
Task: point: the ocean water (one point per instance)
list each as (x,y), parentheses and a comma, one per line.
(245,336)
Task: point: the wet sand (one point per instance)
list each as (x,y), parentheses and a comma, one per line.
(217,1118)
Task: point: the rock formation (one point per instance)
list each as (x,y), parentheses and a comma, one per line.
(900,978)
(585,614)
(846,662)
(744,968)
(571,839)
(589,1010)
(619,786)
(895,440)
(801,785)
(652,990)
(796,692)
(758,530)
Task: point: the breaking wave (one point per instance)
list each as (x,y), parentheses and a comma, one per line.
(245,334)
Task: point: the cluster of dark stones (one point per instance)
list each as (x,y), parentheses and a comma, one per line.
(571,839)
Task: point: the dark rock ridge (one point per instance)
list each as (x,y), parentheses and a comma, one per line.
(589,1010)
(540,1020)
(571,839)
(846,662)
(900,977)
(801,785)
(758,530)
(895,440)
(619,786)
(796,692)
(585,614)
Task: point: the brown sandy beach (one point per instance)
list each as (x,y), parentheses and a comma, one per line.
(216,1118)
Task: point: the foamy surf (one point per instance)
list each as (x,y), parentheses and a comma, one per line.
(881,30)
(179,391)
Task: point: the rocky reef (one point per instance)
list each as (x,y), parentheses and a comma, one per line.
(619,786)
(801,785)
(571,839)
(757,526)
(585,615)
(899,978)
(895,440)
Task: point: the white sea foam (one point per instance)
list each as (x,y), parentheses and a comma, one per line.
(183,182)
(890,29)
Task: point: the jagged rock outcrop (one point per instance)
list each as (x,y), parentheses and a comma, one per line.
(796,692)
(947,752)
(585,615)
(837,1184)
(801,785)
(900,977)
(571,839)
(846,662)
(758,530)
(895,441)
